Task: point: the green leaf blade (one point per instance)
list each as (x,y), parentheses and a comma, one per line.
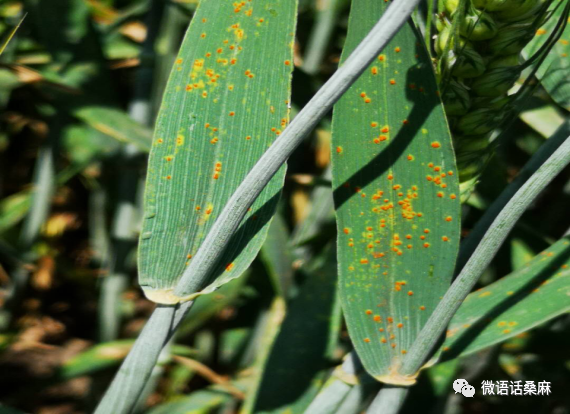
(116,124)
(536,293)
(222,108)
(553,73)
(396,197)
(299,358)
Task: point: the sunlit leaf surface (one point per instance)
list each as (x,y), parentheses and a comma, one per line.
(396,196)
(226,100)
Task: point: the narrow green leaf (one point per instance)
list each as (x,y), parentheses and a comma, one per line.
(222,108)
(83,144)
(13,209)
(319,218)
(295,369)
(521,253)
(106,355)
(11,35)
(208,307)
(396,196)
(267,329)
(116,124)
(199,402)
(276,256)
(553,73)
(516,303)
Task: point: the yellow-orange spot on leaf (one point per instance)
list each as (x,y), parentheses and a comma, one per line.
(368,312)
(229,267)
(445,238)
(366,340)
(232,113)
(287,62)
(426,245)
(392,81)
(377,318)
(448,218)
(435,144)
(400,325)
(422,307)
(410,293)
(397,49)
(363,261)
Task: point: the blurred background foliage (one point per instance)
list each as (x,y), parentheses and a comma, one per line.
(80,85)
